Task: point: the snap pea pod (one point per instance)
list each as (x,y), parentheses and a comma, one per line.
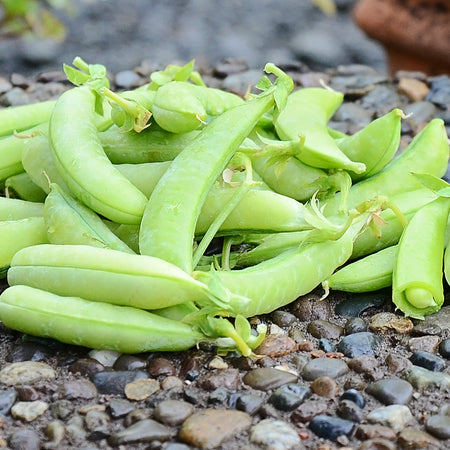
(306,114)
(87,171)
(22,186)
(95,325)
(168,224)
(118,277)
(375,145)
(417,279)
(427,153)
(14,208)
(371,273)
(23,117)
(70,222)
(18,234)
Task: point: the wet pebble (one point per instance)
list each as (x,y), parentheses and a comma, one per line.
(289,396)
(428,361)
(273,434)
(146,430)
(331,428)
(354,396)
(276,345)
(444,348)
(26,372)
(385,321)
(114,382)
(438,425)
(422,378)
(355,325)
(396,417)
(129,362)
(227,378)
(7,399)
(82,389)
(267,378)
(320,367)
(391,391)
(173,412)
(25,439)
(310,307)
(141,388)
(325,387)
(324,329)
(29,411)
(282,318)
(358,344)
(414,438)
(210,427)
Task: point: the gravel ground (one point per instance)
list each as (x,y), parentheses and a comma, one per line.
(348,372)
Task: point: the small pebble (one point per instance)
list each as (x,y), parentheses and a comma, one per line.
(391,391)
(355,325)
(217,362)
(310,307)
(378,444)
(444,348)
(396,417)
(319,367)
(249,403)
(354,396)
(173,412)
(98,423)
(267,378)
(82,389)
(7,399)
(86,367)
(275,435)
(146,430)
(438,425)
(331,428)
(397,363)
(161,367)
(141,388)
(129,362)
(422,378)
(346,409)
(309,409)
(119,407)
(325,387)
(25,439)
(105,357)
(283,319)
(413,438)
(114,382)
(227,378)
(358,344)
(289,396)
(414,89)
(424,343)
(55,432)
(29,411)
(324,329)
(275,345)
(371,431)
(26,372)
(384,321)
(428,361)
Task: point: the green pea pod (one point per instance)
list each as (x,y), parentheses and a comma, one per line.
(95,325)
(104,275)
(14,209)
(168,224)
(88,173)
(306,114)
(375,145)
(70,222)
(18,234)
(23,117)
(22,186)
(427,153)
(371,273)
(417,286)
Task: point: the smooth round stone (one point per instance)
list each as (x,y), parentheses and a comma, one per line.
(129,362)
(275,434)
(146,430)
(440,91)
(158,367)
(309,307)
(173,412)
(26,372)
(120,407)
(414,438)
(355,325)
(346,409)
(353,113)
(381,97)
(396,417)
(127,79)
(114,382)
(329,427)
(227,378)
(320,367)
(444,348)
(25,439)
(29,411)
(276,345)
(358,344)
(249,403)
(309,409)
(86,367)
(428,361)
(288,397)
(29,351)
(74,389)
(378,444)
(325,387)
(267,378)
(7,399)
(422,378)
(356,304)
(141,388)
(421,111)
(326,345)
(439,426)
(218,396)
(283,318)
(98,423)
(354,396)
(324,329)
(105,357)
(424,343)
(391,391)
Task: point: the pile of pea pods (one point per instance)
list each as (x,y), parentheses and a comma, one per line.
(156,218)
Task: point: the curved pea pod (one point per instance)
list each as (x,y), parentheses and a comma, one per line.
(306,114)
(70,222)
(104,275)
(18,234)
(22,186)
(83,164)
(417,285)
(371,273)
(19,118)
(95,325)
(15,208)
(427,153)
(151,145)
(375,145)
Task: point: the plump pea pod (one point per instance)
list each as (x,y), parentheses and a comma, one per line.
(104,275)
(22,186)
(306,114)
(417,285)
(427,153)
(14,208)
(375,145)
(18,234)
(19,118)
(70,222)
(151,145)
(168,224)
(95,325)
(274,283)
(371,273)
(84,166)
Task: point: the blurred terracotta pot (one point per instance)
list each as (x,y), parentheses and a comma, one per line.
(414,33)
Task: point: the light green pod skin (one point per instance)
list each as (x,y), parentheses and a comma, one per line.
(417,279)
(375,145)
(18,234)
(427,153)
(22,186)
(104,275)
(84,166)
(70,222)
(151,145)
(307,113)
(94,325)
(15,208)
(371,273)
(19,118)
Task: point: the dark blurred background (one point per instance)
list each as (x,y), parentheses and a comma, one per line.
(121,34)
